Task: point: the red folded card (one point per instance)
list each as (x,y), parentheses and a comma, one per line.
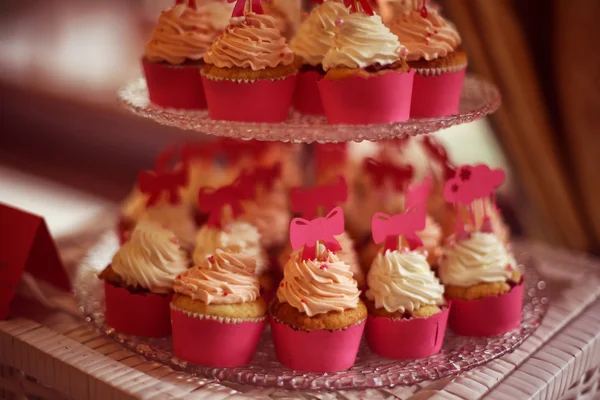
(26,245)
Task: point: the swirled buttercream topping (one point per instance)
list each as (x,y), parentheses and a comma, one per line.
(319,285)
(223,278)
(426,37)
(403,281)
(151,259)
(480,258)
(252,41)
(175,217)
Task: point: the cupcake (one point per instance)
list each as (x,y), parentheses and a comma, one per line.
(174,54)
(217,312)
(313,40)
(139,281)
(483,281)
(366,80)
(483,211)
(439,62)
(317,317)
(407,311)
(249,72)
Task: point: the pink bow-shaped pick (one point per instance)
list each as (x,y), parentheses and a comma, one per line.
(381,171)
(240,6)
(388,228)
(213,201)
(154,183)
(364,4)
(307,233)
(308,200)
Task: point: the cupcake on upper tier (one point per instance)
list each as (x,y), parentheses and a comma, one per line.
(249,72)
(174,53)
(434,52)
(217,312)
(313,40)
(366,79)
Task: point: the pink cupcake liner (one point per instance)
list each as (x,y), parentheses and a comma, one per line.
(379,99)
(407,338)
(142,314)
(316,351)
(258,101)
(174,86)
(437,95)
(490,316)
(210,342)
(307,98)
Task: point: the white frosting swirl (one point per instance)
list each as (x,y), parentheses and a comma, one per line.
(316,34)
(175,217)
(151,259)
(236,237)
(403,281)
(361,41)
(481,258)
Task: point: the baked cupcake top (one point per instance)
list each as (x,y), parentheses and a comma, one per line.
(316,34)
(252,41)
(318,286)
(480,258)
(151,259)
(361,41)
(223,278)
(402,281)
(235,237)
(184,33)
(426,35)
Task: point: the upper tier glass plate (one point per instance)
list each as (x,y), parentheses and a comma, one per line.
(479,98)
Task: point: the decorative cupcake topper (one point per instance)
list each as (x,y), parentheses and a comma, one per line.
(382,171)
(471,183)
(155,183)
(437,151)
(264,176)
(359,5)
(309,201)
(241,6)
(308,233)
(205,151)
(330,155)
(390,228)
(214,201)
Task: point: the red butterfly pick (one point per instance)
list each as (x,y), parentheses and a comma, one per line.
(154,183)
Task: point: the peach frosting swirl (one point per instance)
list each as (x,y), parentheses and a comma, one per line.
(182,34)
(271,216)
(223,278)
(252,41)
(318,286)
(427,37)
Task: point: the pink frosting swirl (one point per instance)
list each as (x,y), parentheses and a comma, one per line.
(252,41)
(426,37)
(319,285)
(223,278)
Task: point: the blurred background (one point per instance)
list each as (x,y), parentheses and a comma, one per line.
(69,153)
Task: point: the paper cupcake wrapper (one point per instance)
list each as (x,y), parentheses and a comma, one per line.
(174,86)
(214,343)
(490,316)
(379,99)
(316,351)
(258,101)
(407,338)
(144,314)
(437,95)
(307,98)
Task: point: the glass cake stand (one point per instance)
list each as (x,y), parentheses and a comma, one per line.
(479,98)
(458,354)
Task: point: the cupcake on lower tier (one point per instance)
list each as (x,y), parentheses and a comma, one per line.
(407,310)
(249,72)
(217,312)
(439,62)
(174,54)
(483,281)
(317,317)
(366,80)
(139,281)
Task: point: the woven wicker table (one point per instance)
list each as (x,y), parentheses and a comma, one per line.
(56,356)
